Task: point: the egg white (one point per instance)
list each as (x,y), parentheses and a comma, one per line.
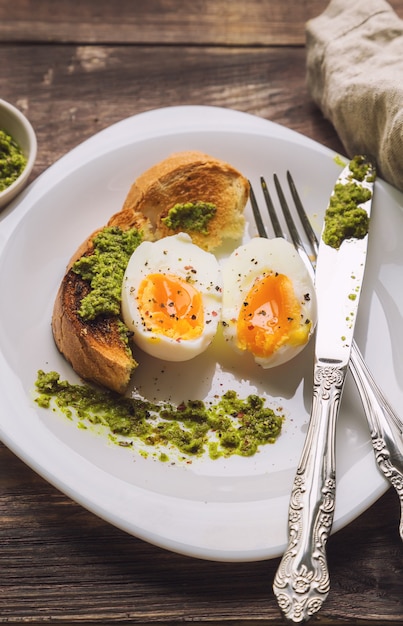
(245,266)
(172,256)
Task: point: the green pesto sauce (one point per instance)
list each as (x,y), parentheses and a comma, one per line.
(12,160)
(104,270)
(192,216)
(361,169)
(230,426)
(344,218)
(339,160)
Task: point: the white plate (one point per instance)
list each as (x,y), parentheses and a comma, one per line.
(229,510)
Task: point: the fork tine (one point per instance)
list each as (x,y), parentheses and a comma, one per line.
(278,231)
(287,215)
(296,239)
(310,233)
(256,213)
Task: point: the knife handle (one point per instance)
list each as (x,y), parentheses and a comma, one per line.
(302,580)
(385,426)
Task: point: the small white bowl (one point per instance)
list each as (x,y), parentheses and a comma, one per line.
(13,122)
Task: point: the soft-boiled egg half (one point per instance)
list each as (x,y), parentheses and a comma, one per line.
(269,304)
(171,298)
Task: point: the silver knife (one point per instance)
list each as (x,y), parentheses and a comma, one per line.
(302,580)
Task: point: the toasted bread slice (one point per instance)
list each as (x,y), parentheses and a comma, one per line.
(190,178)
(96,349)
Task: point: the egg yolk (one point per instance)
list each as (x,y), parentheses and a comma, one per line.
(271,317)
(170,306)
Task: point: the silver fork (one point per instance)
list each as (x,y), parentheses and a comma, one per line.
(385,426)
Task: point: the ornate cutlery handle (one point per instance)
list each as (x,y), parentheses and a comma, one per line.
(302,580)
(385,426)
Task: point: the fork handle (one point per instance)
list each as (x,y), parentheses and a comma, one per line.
(385,426)
(302,582)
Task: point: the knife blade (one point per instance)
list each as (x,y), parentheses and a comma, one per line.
(302,582)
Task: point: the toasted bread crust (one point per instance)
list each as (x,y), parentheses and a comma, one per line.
(191,177)
(96,349)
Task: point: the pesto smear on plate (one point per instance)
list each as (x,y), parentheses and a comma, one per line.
(227,427)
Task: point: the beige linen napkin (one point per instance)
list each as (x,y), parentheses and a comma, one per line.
(355,75)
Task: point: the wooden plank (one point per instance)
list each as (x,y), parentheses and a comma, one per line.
(78,90)
(197,22)
(169,22)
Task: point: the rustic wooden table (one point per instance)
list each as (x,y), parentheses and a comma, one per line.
(74,69)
